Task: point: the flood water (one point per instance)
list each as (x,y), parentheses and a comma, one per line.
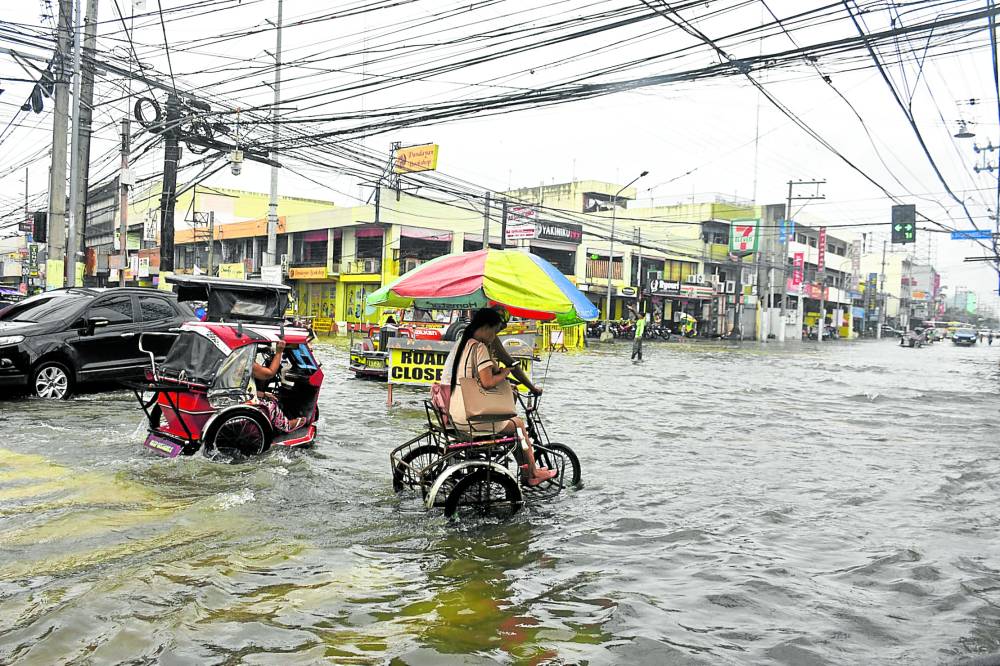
(759,504)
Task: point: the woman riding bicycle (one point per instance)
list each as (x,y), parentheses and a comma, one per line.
(472,359)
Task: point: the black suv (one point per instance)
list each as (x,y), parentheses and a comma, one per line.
(51,342)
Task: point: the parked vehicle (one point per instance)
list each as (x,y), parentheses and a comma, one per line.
(53,342)
(964,337)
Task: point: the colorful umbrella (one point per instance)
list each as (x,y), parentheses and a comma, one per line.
(524,283)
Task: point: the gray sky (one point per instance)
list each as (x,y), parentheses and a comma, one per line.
(697,138)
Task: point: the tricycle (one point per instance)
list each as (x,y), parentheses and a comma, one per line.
(203,395)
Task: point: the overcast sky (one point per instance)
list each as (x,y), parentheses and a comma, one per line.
(696,138)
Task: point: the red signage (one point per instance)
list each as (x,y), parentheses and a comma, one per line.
(798,260)
(821,262)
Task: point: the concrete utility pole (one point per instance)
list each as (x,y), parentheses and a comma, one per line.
(270,258)
(72,245)
(638,272)
(881,291)
(503,225)
(486,223)
(171,155)
(789,229)
(211,240)
(124,181)
(86,116)
(606,335)
(56,236)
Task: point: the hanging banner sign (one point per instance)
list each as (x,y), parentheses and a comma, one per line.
(743,237)
(236,271)
(821,262)
(798,261)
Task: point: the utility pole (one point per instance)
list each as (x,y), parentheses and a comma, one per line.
(27,215)
(272,207)
(86,127)
(211,240)
(486,223)
(503,225)
(790,229)
(124,181)
(56,236)
(72,246)
(171,155)
(881,297)
(638,272)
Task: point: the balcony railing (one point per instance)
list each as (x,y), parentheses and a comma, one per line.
(597,269)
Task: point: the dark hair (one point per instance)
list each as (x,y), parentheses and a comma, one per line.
(483,317)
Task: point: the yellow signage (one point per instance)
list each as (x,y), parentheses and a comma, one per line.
(323,325)
(412,366)
(416,158)
(309,273)
(233,271)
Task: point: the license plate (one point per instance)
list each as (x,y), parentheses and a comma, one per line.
(376,364)
(163,447)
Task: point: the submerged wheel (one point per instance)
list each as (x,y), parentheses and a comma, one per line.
(562,458)
(52,381)
(238,435)
(418,458)
(485,492)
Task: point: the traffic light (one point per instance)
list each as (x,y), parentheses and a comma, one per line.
(40,221)
(904,224)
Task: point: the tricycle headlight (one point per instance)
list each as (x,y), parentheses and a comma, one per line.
(10,340)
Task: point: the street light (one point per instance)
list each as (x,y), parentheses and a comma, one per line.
(606,335)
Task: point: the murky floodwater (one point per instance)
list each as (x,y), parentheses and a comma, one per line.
(742,505)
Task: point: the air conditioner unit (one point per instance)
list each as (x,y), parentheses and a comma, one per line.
(410,263)
(730,286)
(284,264)
(696,278)
(370,266)
(348,267)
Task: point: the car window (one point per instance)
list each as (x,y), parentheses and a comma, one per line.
(154,308)
(117,310)
(45,310)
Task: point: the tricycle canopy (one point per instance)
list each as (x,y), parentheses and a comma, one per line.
(234,300)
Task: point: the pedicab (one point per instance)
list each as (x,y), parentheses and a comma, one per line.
(202,395)
(479,474)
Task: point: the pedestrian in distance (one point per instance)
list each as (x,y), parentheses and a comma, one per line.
(989,338)
(640,330)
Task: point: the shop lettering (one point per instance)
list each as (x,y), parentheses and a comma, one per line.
(416,374)
(413,357)
(559,232)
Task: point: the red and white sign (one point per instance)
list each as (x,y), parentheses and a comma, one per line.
(821,262)
(798,261)
(521,223)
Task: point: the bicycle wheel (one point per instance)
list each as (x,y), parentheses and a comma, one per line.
(485,492)
(417,459)
(561,458)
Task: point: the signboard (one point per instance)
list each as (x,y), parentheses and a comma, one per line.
(974,234)
(560,231)
(416,158)
(307,273)
(628,292)
(143,267)
(798,261)
(322,325)
(149,227)
(904,224)
(421,362)
(815,291)
(521,231)
(664,287)
(271,274)
(743,237)
(821,261)
(786,231)
(33,260)
(234,271)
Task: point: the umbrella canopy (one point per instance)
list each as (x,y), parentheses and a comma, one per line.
(524,283)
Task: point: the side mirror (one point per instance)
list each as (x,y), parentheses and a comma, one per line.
(94,323)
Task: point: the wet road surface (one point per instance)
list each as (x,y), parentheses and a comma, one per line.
(754,504)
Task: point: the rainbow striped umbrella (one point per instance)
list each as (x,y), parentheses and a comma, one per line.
(524,283)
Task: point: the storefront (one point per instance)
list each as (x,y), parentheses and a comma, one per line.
(671,300)
(315,292)
(557,243)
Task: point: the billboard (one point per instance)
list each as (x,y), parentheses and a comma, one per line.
(416,158)
(743,237)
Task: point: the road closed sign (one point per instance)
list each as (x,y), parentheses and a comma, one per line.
(743,237)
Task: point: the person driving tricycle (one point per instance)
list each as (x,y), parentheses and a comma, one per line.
(268,402)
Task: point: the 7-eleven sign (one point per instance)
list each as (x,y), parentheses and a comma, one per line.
(743,237)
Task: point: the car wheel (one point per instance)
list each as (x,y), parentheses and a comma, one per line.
(52,381)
